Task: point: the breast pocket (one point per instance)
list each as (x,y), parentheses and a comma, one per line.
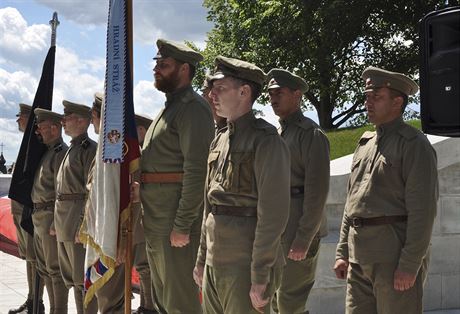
(240,172)
(212,164)
(389,171)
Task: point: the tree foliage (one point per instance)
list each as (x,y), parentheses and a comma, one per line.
(328,42)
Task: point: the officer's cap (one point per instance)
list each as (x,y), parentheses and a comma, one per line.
(97,103)
(178,51)
(376,78)
(47,115)
(281,78)
(79,109)
(238,69)
(142,121)
(24,109)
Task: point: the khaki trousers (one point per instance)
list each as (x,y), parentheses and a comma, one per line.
(175,291)
(72,264)
(46,252)
(297,281)
(226,290)
(370,290)
(142,266)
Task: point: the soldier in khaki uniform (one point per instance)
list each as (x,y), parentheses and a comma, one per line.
(247,199)
(43,195)
(25,240)
(384,241)
(173,166)
(141,263)
(71,198)
(309,149)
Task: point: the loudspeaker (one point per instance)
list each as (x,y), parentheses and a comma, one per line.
(440,72)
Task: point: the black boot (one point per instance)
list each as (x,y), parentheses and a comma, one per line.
(25,307)
(143,310)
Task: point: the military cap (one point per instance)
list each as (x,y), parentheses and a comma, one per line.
(24,109)
(81,110)
(178,51)
(377,78)
(282,78)
(143,121)
(97,103)
(238,69)
(44,115)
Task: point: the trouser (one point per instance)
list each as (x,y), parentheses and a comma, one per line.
(175,291)
(297,281)
(111,296)
(27,252)
(370,290)
(142,266)
(72,264)
(47,262)
(226,290)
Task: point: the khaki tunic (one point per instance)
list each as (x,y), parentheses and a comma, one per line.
(248,166)
(71,179)
(394,172)
(177,141)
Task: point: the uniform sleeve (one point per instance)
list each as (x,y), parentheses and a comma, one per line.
(316,187)
(342,246)
(421,195)
(196,131)
(273,175)
(87,163)
(201,258)
(57,164)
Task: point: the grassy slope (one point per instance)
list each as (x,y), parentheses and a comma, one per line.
(343,141)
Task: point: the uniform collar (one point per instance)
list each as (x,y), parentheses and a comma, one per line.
(170,97)
(389,127)
(54,143)
(292,118)
(241,123)
(79,139)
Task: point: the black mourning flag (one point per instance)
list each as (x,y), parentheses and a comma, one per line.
(32,149)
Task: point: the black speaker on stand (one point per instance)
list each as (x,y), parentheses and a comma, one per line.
(440,72)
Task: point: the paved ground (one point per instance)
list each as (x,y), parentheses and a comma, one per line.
(13,286)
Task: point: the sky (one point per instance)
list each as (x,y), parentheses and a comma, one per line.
(25,37)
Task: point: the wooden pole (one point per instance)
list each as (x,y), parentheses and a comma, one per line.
(129,237)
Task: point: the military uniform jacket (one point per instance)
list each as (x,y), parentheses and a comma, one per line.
(71,180)
(394,172)
(16,207)
(177,141)
(248,166)
(44,188)
(309,149)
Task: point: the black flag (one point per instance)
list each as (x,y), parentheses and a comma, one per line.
(32,149)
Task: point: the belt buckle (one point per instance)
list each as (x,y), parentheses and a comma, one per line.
(357,222)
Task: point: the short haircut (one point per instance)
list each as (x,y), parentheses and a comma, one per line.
(395,93)
(256,89)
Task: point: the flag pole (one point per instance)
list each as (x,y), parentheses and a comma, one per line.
(129,236)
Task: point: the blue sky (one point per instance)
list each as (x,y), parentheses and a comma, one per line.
(80,53)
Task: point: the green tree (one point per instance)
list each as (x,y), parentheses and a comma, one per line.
(328,42)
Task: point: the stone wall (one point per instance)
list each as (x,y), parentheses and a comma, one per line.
(442,289)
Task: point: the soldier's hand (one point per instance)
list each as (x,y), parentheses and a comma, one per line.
(77,238)
(341,268)
(403,281)
(198,275)
(179,239)
(52,232)
(134,192)
(297,253)
(257,297)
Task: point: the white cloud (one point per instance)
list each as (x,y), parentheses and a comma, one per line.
(148,100)
(11,138)
(15,87)
(21,44)
(174,19)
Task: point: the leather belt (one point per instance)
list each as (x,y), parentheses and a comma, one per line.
(71,197)
(358,222)
(297,191)
(44,205)
(234,211)
(162,177)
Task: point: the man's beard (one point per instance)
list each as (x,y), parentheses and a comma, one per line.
(168,84)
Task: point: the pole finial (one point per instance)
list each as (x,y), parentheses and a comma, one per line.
(54,22)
